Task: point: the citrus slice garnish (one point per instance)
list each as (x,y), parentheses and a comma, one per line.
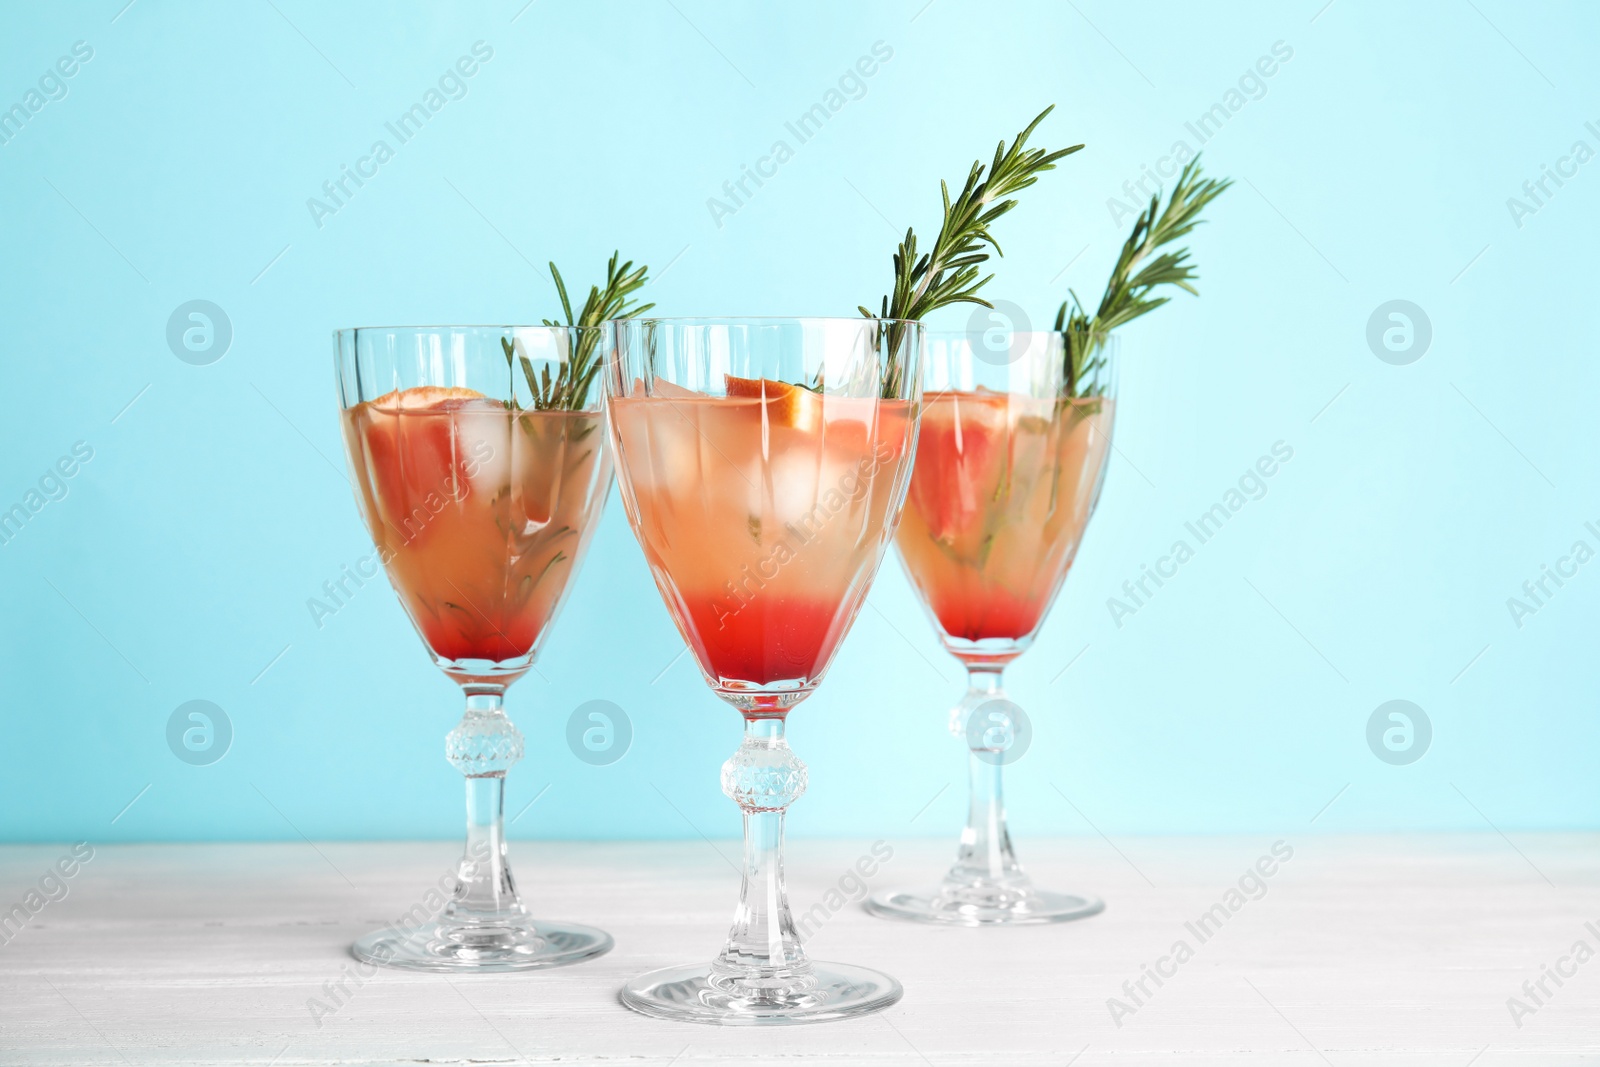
(785,405)
(424,396)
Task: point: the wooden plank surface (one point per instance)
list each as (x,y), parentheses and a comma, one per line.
(1355,950)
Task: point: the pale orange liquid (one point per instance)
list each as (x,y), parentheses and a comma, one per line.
(762,535)
(1000,495)
(480,514)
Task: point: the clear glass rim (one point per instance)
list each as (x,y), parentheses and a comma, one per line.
(762,320)
(966,335)
(686,320)
(351,331)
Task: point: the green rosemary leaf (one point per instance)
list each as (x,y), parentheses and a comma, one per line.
(561,289)
(1128,293)
(527,372)
(948,272)
(568,389)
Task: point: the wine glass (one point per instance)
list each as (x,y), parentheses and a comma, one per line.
(1009,467)
(763,464)
(481,468)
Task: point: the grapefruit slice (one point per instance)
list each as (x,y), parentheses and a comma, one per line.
(420,397)
(786,405)
(412,452)
(961,455)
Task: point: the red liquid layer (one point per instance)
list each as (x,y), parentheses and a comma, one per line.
(978,614)
(766,641)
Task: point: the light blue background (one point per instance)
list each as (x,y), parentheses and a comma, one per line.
(1376,166)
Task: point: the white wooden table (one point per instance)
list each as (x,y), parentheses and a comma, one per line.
(1371,950)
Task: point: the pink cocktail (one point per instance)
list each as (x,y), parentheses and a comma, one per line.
(763,464)
(1009,466)
(481,498)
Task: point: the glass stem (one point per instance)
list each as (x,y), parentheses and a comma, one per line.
(763,951)
(483,746)
(985,857)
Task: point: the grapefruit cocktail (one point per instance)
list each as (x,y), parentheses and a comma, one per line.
(1009,466)
(762,513)
(480,466)
(478,512)
(763,464)
(1000,495)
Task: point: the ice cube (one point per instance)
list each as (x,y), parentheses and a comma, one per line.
(483,445)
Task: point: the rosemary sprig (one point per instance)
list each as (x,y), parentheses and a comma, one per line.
(948,273)
(1127,294)
(568,388)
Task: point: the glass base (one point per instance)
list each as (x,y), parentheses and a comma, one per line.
(689,994)
(964,908)
(524,945)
